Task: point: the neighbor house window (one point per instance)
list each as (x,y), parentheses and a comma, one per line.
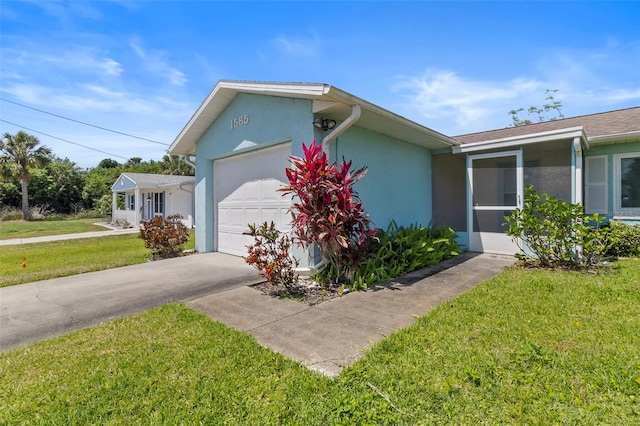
(158,198)
(595,184)
(131,202)
(626,190)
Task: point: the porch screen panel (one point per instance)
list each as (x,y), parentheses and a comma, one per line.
(449,191)
(547,167)
(490,220)
(494,185)
(494,182)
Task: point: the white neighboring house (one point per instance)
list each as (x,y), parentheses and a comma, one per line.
(138,197)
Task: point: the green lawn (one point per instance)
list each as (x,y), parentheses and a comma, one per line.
(40,228)
(528,347)
(62,258)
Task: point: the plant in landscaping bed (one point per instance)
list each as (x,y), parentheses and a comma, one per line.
(164,237)
(270,254)
(623,240)
(401,250)
(556,233)
(327,211)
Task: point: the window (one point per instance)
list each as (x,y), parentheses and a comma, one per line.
(131,202)
(158,199)
(626,189)
(595,184)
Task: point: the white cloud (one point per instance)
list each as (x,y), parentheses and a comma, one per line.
(155,62)
(297,46)
(463,104)
(588,81)
(38,60)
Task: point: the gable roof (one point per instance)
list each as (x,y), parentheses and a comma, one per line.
(600,127)
(150,180)
(328,100)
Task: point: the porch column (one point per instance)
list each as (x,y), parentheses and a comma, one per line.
(576,176)
(136,205)
(114,205)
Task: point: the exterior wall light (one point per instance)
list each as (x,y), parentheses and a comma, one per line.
(324,123)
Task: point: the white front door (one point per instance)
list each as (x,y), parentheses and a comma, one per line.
(495,189)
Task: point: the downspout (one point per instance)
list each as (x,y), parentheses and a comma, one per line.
(356,111)
(187,159)
(355,115)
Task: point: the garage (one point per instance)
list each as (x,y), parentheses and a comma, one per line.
(246,191)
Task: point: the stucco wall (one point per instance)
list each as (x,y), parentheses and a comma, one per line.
(398,182)
(179,201)
(269,119)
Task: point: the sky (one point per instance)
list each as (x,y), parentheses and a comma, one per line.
(142,68)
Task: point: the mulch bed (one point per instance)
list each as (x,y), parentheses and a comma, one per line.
(307,291)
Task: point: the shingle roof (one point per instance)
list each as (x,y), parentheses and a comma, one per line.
(601,124)
(145,180)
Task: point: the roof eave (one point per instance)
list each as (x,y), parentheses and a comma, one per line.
(568,133)
(184,143)
(615,137)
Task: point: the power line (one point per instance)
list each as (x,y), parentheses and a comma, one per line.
(64,140)
(82,122)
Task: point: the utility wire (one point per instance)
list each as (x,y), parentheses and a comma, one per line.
(64,140)
(82,122)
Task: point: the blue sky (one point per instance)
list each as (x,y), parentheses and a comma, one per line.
(143,67)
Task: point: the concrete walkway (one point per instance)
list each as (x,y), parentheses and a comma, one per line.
(75,236)
(332,335)
(326,337)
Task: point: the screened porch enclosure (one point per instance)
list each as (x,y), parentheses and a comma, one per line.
(474,193)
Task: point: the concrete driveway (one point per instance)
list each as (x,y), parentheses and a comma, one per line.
(40,310)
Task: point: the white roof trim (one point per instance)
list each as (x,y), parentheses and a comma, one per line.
(226,91)
(616,137)
(568,133)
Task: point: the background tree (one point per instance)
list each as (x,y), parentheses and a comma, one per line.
(108,163)
(175,165)
(98,183)
(18,153)
(58,186)
(552,106)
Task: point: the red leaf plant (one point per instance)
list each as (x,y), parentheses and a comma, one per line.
(327,210)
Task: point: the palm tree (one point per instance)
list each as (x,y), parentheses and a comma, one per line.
(175,165)
(17,153)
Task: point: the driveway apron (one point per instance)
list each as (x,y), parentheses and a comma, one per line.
(40,310)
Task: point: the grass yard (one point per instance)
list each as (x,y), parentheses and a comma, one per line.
(62,258)
(40,228)
(528,347)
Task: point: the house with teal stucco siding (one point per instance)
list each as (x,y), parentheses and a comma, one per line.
(242,135)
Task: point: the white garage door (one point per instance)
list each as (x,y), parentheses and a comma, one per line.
(245,191)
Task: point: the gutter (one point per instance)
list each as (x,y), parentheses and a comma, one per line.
(187,159)
(616,137)
(356,111)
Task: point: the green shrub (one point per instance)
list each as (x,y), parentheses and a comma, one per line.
(164,237)
(556,233)
(271,255)
(623,239)
(104,206)
(10,213)
(401,250)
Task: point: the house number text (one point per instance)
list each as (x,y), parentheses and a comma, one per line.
(242,120)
